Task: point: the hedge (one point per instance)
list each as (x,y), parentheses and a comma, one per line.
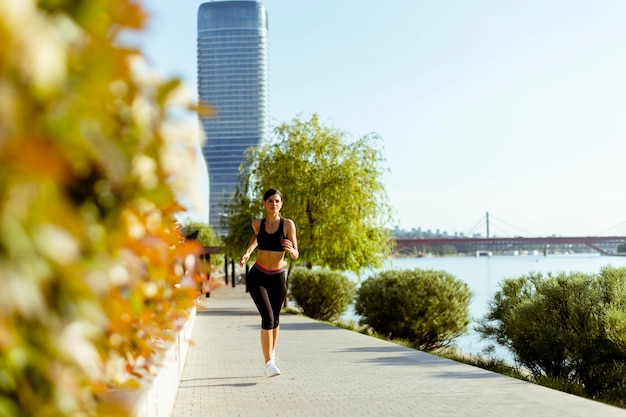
(427,308)
(321,294)
(567,327)
(91,258)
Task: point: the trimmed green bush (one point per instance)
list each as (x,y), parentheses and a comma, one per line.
(568,327)
(321,294)
(425,307)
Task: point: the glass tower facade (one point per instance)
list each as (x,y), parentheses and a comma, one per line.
(233,78)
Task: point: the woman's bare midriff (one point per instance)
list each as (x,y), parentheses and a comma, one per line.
(269,259)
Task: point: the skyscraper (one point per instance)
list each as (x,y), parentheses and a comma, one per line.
(233,77)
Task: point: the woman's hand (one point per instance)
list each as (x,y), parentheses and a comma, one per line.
(243,260)
(288,247)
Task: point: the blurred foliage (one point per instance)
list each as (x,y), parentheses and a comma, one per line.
(427,308)
(91,257)
(321,294)
(565,327)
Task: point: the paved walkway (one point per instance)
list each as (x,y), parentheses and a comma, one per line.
(327,371)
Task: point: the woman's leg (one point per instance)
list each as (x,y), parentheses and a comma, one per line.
(260,292)
(274,340)
(267,344)
(277,294)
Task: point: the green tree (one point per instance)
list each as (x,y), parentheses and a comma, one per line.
(206,235)
(332,190)
(242,209)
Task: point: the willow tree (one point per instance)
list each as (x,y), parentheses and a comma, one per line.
(204,233)
(332,188)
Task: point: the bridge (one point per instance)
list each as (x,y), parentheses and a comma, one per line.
(603,244)
(606,245)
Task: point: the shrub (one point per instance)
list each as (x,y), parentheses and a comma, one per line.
(91,259)
(566,326)
(321,294)
(425,307)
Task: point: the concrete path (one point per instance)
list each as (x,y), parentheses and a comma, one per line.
(327,371)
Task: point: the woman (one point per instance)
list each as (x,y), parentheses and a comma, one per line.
(273,236)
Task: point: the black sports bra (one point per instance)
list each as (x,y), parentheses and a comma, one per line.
(271,242)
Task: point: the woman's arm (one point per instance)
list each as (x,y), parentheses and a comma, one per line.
(290,244)
(252,245)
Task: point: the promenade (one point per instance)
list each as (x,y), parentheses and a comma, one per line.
(327,371)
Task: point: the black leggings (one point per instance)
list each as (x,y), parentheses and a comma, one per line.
(268,291)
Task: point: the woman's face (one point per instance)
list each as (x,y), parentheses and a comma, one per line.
(273,204)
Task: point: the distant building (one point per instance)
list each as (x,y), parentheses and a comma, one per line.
(233,77)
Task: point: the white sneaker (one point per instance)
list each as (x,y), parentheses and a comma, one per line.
(271,369)
(273,357)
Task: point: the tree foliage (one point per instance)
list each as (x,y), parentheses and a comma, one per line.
(91,258)
(204,233)
(243,208)
(332,189)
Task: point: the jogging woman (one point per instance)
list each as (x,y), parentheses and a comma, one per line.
(273,236)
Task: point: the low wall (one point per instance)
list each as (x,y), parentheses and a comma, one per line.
(156,398)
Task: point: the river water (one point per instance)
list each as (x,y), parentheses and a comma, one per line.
(484,275)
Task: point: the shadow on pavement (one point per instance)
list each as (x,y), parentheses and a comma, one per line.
(307,326)
(227,312)
(242,385)
(406,357)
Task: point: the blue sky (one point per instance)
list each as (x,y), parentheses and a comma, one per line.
(515,108)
